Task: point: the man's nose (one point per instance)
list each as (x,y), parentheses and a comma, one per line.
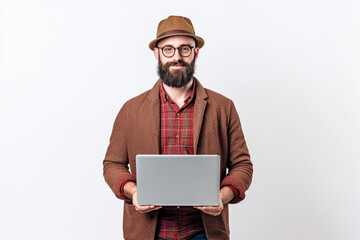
(177,55)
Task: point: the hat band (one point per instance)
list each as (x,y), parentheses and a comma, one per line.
(174,32)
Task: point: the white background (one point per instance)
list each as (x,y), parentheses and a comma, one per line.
(290,66)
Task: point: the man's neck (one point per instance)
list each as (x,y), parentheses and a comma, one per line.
(179,95)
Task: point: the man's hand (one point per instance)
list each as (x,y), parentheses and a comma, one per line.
(130,191)
(226,195)
(143,208)
(212,210)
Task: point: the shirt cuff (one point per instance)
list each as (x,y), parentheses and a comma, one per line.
(122,193)
(235,190)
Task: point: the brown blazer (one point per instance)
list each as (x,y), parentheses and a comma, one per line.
(217,130)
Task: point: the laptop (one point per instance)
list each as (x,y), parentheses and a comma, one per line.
(178,180)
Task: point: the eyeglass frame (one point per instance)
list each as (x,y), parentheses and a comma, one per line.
(178,48)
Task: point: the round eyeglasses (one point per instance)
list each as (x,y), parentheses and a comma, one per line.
(169,51)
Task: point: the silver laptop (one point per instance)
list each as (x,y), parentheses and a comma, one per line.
(178,180)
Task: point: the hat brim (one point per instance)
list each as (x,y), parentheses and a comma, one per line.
(199,41)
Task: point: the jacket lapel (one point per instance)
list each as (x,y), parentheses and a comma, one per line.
(155,109)
(200,106)
(154,97)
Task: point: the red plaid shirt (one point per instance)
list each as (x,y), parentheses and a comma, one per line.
(177,138)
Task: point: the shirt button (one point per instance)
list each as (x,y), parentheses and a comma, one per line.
(177,135)
(178,114)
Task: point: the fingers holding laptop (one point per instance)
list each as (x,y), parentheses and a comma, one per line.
(212,210)
(143,208)
(130,191)
(225,196)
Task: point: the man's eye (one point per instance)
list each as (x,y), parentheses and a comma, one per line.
(185,49)
(168,49)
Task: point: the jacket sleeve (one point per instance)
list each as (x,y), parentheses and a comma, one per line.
(240,168)
(116,162)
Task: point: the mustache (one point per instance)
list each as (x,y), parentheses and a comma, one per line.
(180,63)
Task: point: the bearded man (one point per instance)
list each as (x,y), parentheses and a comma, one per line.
(177,116)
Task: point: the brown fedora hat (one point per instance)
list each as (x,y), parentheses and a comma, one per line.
(175,26)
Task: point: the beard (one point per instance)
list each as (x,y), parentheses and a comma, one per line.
(176,78)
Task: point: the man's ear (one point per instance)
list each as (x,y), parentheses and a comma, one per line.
(156,53)
(196,52)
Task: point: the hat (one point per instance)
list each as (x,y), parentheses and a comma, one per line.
(175,26)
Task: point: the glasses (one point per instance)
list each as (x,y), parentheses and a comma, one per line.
(169,51)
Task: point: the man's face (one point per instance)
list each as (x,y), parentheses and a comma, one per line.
(176,71)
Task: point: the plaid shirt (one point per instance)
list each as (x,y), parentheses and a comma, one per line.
(177,138)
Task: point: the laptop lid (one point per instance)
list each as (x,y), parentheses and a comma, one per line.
(178,180)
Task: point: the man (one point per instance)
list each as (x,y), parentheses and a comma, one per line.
(177,116)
